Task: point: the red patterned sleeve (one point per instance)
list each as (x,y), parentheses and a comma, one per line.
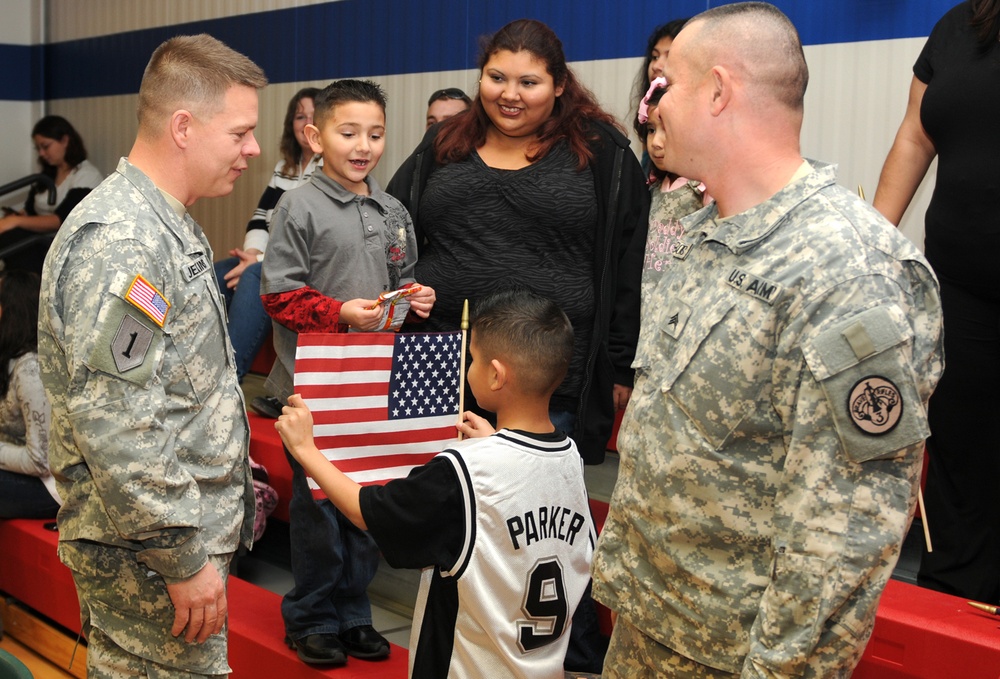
(304,310)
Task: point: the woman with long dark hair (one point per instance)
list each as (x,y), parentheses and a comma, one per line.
(63,158)
(27,489)
(954,103)
(239,274)
(536,184)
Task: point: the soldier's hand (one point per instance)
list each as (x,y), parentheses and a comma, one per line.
(200,605)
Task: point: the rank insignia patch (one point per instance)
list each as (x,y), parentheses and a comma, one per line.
(148,300)
(875,405)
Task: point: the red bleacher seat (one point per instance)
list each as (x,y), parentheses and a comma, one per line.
(256,647)
(923,634)
(30,571)
(264,359)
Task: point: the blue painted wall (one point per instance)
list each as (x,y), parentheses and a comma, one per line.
(385,37)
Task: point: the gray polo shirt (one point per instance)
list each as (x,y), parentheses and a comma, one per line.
(343,245)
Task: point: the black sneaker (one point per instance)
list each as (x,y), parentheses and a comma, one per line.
(267,406)
(319,649)
(365,643)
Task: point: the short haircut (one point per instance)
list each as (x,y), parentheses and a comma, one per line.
(527,332)
(450,93)
(765,42)
(345,92)
(192,72)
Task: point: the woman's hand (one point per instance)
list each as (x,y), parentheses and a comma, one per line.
(622,394)
(9,222)
(246,257)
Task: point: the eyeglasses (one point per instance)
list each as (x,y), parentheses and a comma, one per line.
(448,93)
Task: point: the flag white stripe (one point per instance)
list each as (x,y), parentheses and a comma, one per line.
(347,403)
(360,351)
(348,377)
(365,452)
(389,427)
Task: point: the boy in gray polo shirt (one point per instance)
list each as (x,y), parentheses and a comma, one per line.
(336,244)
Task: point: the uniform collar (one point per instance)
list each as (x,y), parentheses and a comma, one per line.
(745,230)
(181,225)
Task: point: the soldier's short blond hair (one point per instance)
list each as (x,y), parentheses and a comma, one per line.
(191,72)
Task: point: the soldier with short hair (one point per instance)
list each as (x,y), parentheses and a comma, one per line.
(149,433)
(771,452)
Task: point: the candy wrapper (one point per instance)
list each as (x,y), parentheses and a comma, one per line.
(395,306)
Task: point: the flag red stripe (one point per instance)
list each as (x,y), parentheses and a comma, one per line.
(336,365)
(385,438)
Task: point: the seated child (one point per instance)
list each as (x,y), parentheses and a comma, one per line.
(501,525)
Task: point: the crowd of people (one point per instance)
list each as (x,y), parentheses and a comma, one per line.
(773,341)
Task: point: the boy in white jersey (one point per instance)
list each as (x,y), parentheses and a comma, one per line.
(501,524)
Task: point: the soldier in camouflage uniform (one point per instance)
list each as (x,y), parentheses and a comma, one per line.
(149,434)
(770,456)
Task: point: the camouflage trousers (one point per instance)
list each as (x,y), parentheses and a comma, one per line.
(127,614)
(633,655)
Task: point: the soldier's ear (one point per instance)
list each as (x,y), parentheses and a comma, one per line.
(722,89)
(180,127)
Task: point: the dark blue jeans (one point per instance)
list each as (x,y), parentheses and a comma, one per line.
(248,322)
(25,497)
(332,564)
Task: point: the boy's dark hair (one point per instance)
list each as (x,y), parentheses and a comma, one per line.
(344,92)
(529,333)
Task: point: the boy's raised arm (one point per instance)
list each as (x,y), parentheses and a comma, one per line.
(296,426)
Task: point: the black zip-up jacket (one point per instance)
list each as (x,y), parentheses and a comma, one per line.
(623,209)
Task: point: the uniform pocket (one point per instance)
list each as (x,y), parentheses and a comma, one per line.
(720,363)
(196,332)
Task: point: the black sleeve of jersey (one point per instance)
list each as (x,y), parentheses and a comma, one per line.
(418,521)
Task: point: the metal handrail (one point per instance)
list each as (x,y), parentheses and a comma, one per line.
(28,181)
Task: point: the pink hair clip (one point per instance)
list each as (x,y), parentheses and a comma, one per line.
(657,83)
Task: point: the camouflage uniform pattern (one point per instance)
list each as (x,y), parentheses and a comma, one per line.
(149,432)
(633,655)
(770,454)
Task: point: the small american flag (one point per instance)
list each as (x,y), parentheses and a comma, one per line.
(148,299)
(382,403)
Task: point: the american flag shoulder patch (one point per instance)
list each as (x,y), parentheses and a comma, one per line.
(148,300)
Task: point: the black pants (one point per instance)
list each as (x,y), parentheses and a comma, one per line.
(962,495)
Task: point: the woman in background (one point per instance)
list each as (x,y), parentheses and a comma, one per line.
(536,185)
(27,489)
(239,275)
(954,105)
(63,158)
